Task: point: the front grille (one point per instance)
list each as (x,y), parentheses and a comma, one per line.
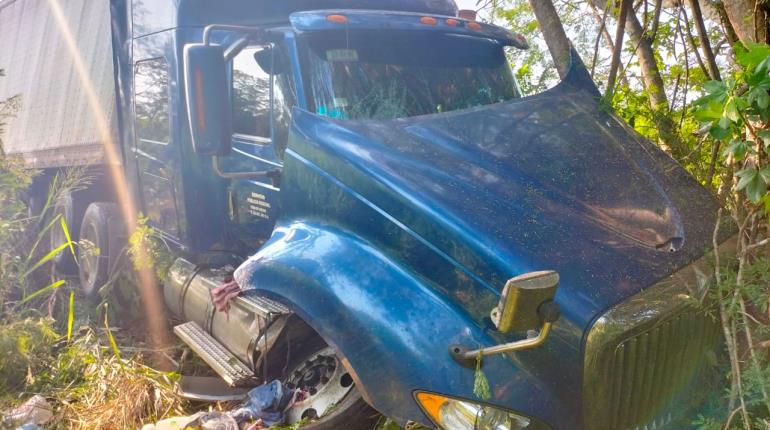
(646,358)
(649,370)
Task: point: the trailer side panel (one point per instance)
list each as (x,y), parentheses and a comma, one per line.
(67,107)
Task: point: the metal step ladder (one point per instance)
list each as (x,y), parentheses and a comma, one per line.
(223,362)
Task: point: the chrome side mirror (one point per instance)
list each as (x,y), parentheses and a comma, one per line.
(525,304)
(522,298)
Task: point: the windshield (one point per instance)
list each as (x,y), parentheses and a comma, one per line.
(387,75)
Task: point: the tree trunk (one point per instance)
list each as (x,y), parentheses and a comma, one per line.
(727,26)
(653,83)
(553,33)
(697,17)
(625,9)
(748,19)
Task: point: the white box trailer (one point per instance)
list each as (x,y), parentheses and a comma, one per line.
(52,51)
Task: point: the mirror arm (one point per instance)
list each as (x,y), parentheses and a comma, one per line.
(463,355)
(549,313)
(235,48)
(241,28)
(273,175)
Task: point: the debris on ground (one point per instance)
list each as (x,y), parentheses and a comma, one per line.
(202,420)
(29,415)
(268,404)
(265,406)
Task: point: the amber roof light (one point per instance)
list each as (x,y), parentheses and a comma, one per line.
(428,20)
(337,19)
(473,25)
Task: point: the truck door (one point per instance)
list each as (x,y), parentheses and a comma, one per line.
(157,160)
(254,203)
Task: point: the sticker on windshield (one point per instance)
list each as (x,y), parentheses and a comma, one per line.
(340,102)
(342,55)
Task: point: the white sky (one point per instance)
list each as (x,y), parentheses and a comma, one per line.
(466,4)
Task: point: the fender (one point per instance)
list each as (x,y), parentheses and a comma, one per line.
(390,327)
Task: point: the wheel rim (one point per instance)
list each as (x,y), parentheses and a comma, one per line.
(325,379)
(89,258)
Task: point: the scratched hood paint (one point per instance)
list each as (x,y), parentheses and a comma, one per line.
(551,181)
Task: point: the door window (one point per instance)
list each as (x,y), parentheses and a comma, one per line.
(251,96)
(156,158)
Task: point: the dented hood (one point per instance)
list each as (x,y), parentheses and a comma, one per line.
(552,181)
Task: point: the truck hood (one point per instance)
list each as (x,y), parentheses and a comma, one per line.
(552,181)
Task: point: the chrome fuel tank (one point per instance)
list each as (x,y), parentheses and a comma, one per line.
(187,294)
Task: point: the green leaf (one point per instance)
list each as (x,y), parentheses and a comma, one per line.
(713,87)
(737,148)
(753,56)
(113,344)
(46,258)
(719,133)
(709,110)
(731,110)
(762,67)
(745,177)
(71,316)
(43,290)
(724,122)
(764,173)
(756,190)
(752,182)
(67,235)
(760,97)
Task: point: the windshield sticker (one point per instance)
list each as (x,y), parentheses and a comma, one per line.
(342,55)
(341,102)
(335,113)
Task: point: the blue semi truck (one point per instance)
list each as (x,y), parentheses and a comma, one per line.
(394,211)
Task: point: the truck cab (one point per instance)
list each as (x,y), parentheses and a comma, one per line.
(370,177)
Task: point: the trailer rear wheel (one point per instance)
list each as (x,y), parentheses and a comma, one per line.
(99,246)
(333,400)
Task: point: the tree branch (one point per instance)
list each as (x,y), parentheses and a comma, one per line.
(700,27)
(625,6)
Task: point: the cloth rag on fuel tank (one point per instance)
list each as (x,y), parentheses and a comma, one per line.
(224,293)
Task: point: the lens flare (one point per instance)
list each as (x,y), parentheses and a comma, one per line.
(148,286)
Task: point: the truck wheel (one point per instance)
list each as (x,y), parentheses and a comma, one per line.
(64,261)
(333,401)
(99,246)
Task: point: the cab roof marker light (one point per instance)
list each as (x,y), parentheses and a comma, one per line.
(452,22)
(473,25)
(337,19)
(428,20)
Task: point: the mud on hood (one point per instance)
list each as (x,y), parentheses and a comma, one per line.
(552,181)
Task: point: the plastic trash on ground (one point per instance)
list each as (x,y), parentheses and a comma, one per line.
(34,411)
(267,404)
(201,421)
(175,423)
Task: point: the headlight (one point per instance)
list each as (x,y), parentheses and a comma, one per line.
(454,414)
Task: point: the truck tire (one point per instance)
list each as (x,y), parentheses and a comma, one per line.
(100,246)
(318,371)
(64,261)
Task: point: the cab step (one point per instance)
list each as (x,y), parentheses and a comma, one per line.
(225,364)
